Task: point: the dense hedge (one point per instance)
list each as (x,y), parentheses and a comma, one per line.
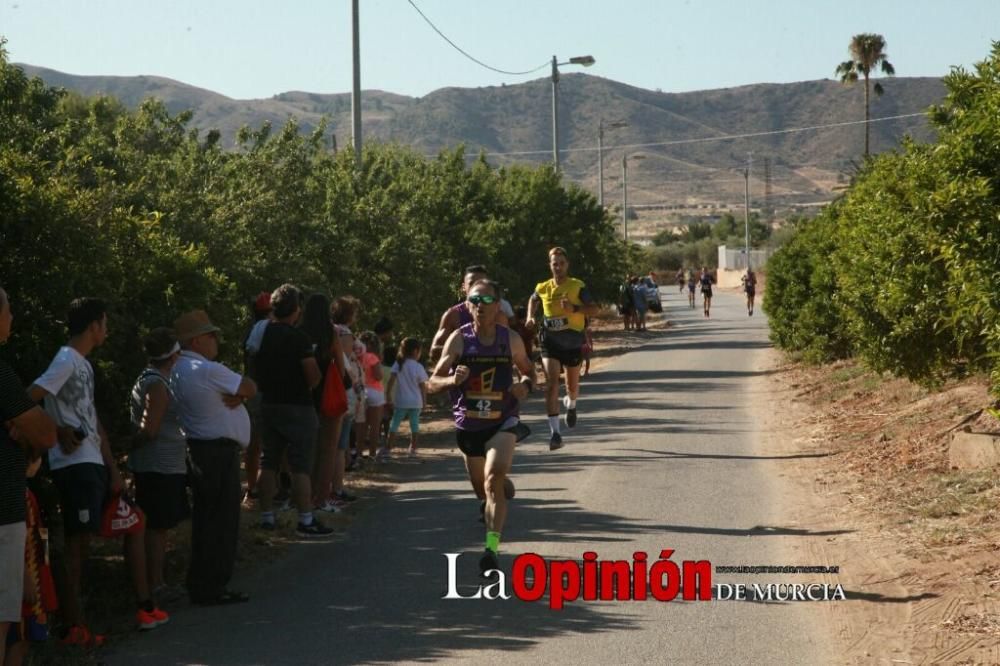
(903,271)
(156,217)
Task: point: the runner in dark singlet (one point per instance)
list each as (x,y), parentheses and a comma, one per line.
(706,289)
(477,367)
(750,287)
(460,314)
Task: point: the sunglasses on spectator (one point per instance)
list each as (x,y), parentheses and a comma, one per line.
(482,299)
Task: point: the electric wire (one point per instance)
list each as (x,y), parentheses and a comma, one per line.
(727,137)
(468,55)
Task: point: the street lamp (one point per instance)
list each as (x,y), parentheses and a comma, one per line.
(601,126)
(625,192)
(586,61)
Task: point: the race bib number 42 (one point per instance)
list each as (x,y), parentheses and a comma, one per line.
(484,410)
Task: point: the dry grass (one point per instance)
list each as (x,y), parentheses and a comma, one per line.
(892,442)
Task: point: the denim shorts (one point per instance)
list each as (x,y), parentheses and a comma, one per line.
(344,442)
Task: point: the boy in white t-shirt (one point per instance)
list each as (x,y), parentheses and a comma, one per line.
(409,381)
(83,469)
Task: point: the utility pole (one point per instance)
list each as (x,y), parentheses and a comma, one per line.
(555,113)
(356,89)
(600,163)
(625,197)
(768,200)
(746,205)
(601,126)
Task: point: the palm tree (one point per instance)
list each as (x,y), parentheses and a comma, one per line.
(867,52)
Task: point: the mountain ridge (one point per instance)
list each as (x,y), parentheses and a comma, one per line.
(698,132)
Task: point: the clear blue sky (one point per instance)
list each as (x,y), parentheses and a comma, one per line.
(250,48)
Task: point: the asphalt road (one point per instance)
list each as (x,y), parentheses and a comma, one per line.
(666,455)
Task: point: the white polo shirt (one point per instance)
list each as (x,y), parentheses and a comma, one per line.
(198,385)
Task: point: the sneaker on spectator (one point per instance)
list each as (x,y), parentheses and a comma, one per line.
(250,498)
(81,637)
(352,461)
(344,496)
(382,455)
(152,619)
(330,506)
(314,530)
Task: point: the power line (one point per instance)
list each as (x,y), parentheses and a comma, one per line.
(469,56)
(727,137)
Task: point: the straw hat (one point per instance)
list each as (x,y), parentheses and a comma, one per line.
(192,324)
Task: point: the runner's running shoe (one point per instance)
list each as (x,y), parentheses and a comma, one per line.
(570,414)
(488,561)
(555,442)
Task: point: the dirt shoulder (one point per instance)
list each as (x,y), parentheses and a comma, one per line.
(916,542)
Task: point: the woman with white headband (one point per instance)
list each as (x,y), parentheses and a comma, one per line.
(158,456)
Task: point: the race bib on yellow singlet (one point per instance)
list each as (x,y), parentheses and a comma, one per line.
(556,323)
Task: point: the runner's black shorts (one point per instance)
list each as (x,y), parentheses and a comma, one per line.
(750,292)
(707,293)
(473,442)
(564,346)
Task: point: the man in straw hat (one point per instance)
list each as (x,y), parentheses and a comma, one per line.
(210,400)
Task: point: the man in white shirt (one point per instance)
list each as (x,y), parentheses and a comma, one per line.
(83,469)
(210,400)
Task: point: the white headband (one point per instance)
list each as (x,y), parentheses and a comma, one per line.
(176,348)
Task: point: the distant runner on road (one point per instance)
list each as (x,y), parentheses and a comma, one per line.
(750,287)
(477,368)
(706,289)
(566,304)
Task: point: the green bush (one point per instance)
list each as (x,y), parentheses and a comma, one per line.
(801,298)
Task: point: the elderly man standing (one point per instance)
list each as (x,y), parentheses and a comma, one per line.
(210,400)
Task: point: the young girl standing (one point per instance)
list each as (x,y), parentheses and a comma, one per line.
(371,362)
(409,378)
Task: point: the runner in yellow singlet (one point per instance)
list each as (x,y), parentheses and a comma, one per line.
(566,303)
